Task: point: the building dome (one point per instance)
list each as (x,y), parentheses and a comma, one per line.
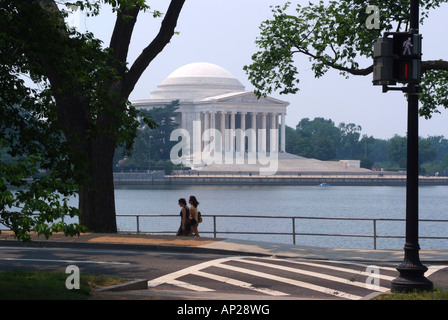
(197,81)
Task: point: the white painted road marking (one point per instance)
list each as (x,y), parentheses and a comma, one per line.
(173,276)
(65,261)
(240,284)
(352,271)
(292,282)
(190,286)
(315,274)
(198,270)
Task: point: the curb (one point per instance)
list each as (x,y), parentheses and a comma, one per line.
(191,249)
(126,246)
(138,284)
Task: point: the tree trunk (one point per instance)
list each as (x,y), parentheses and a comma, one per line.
(96,195)
(92,137)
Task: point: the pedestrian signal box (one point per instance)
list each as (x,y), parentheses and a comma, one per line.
(397,58)
(383,62)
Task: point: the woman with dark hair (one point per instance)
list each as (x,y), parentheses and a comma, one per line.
(194,215)
(185,226)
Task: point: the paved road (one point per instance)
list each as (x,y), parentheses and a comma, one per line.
(188,275)
(260,278)
(124,263)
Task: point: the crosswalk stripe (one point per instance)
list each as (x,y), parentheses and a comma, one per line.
(196,270)
(171,277)
(315,274)
(293,282)
(239,283)
(189,286)
(380,276)
(432,269)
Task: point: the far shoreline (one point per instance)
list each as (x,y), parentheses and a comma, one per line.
(373,178)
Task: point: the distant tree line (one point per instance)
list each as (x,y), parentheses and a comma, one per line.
(321,139)
(152,146)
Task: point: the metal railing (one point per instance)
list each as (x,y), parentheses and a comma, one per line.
(215,231)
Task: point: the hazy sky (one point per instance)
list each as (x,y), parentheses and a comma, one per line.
(223,32)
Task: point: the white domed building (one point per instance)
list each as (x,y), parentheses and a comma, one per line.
(210,97)
(210,94)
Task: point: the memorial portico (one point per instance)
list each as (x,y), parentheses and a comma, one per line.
(261,122)
(214,99)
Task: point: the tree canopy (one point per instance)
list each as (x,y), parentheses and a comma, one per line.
(333,35)
(322,139)
(80,87)
(36,177)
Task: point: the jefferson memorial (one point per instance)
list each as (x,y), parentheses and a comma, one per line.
(210,97)
(210,94)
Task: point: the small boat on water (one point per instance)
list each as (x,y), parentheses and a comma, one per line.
(324,184)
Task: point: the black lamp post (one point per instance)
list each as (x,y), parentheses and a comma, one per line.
(411,269)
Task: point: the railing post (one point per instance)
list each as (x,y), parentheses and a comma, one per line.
(214,227)
(293,230)
(138,223)
(374,234)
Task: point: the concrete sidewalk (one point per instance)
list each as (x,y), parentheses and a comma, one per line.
(307,252)
(220,246)
(132,290)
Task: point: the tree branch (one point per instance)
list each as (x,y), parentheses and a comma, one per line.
(434,65)
(154,48)
(121,36)
(356,72)
(425,65)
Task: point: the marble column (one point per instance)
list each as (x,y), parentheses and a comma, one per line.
(196,134)
(242,142)
(283,135)
(206,132)
(253,133)
(274,126)
(223,130)
(262,134)
(232,132)
(212,130)
(212,120)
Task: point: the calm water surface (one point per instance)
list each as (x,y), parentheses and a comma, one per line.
(298,201)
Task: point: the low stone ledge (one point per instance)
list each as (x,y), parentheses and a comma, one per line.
(138,284)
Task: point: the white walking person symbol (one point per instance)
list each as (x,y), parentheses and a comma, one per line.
(407,46)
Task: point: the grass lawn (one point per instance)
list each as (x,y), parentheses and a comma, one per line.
(436,294)
(40,285)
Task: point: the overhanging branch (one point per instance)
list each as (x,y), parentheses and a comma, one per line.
(356,72)
(121,36)
(425,65)
(154,48)
(434,65)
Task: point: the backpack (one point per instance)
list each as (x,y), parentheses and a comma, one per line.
(199,217)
